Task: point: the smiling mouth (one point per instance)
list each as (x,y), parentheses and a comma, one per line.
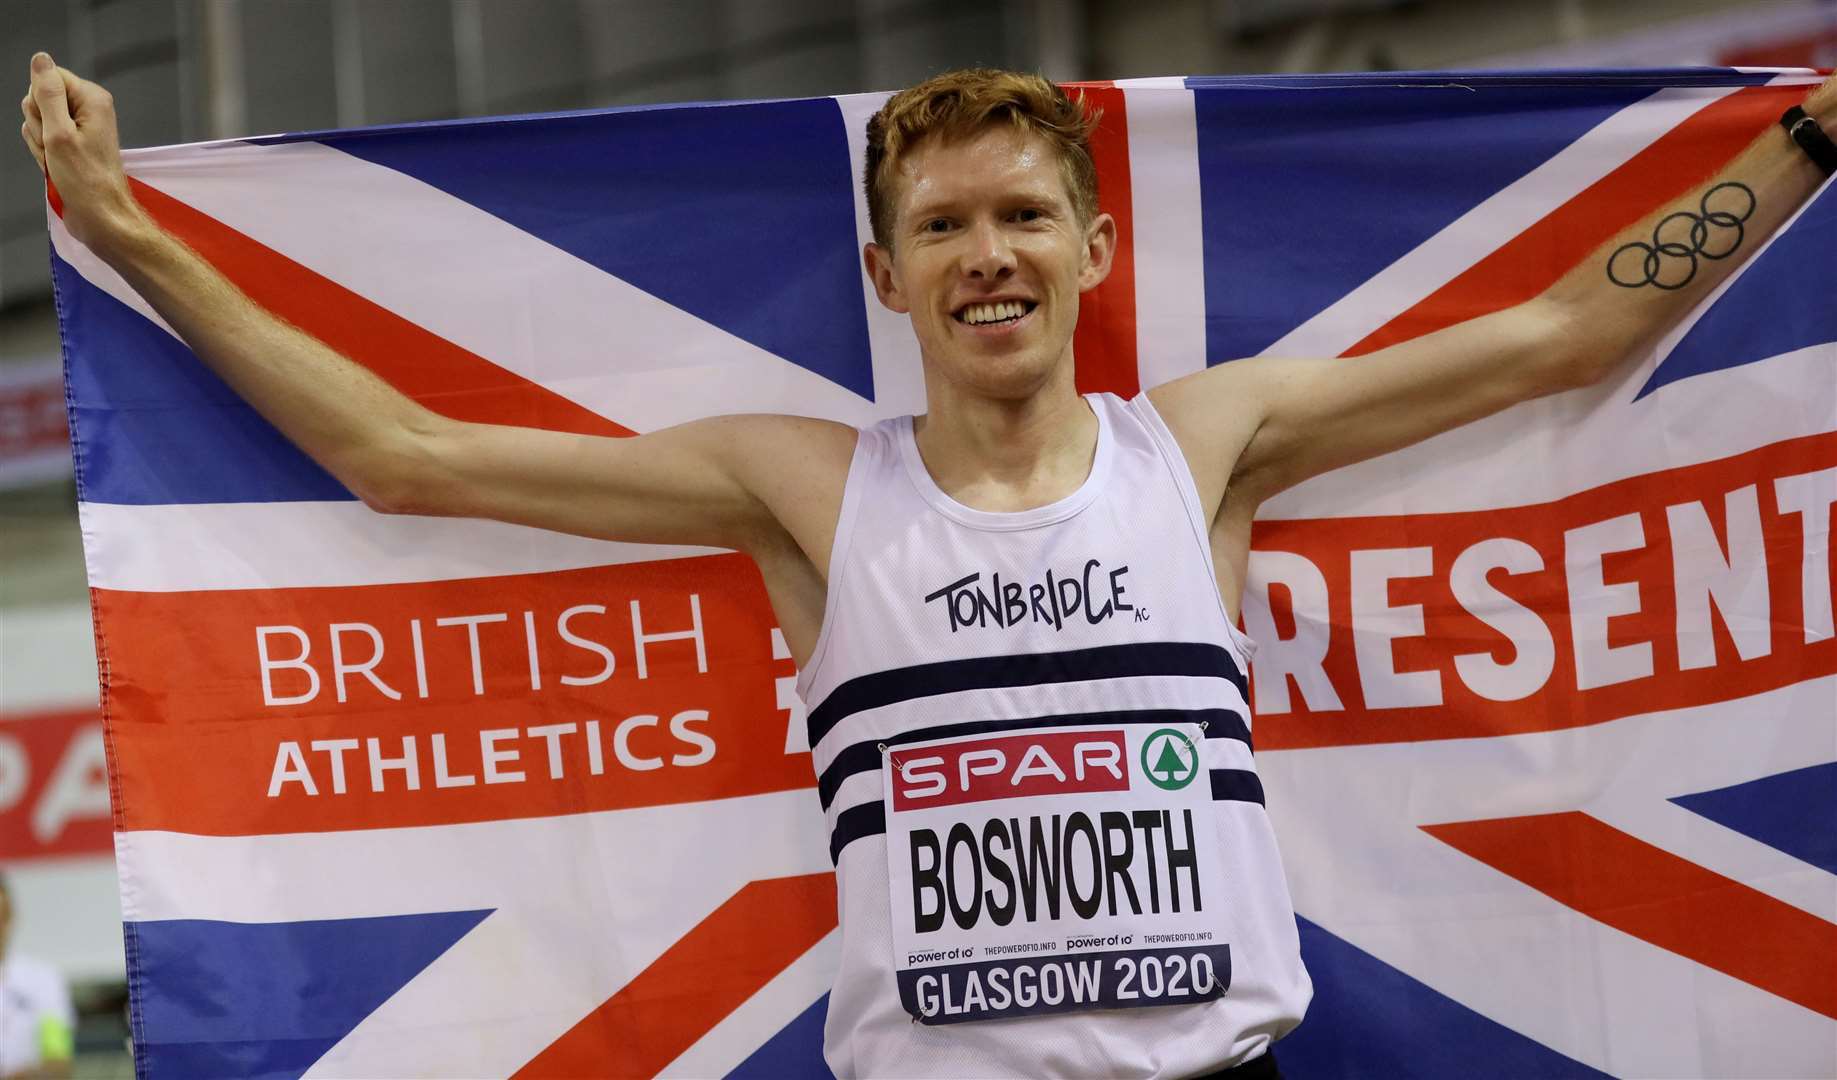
(1005,311)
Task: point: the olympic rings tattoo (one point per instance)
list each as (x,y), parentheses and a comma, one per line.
(1669,249)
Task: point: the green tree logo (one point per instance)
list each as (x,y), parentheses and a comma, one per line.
(1169,759)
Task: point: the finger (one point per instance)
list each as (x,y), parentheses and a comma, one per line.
(33,128)
(1824,92)
(34,144)
(51,95)
(90,102)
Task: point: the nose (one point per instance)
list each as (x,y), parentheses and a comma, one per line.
(990,256)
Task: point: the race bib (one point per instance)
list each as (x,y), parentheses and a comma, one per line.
(1054,870)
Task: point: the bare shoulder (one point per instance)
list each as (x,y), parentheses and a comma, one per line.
(779,454)
(1213,415)
(797,467)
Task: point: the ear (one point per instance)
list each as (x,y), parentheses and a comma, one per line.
(1099,252)
(878,262)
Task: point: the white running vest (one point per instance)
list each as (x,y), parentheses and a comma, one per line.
(1073,874)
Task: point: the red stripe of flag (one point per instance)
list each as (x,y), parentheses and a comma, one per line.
(696,983)
(1659,898)
(1104,343)
(435,372)
(1533,260)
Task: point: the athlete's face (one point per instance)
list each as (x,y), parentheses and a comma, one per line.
(988,258)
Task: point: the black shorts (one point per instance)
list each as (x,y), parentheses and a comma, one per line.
(1261,1067)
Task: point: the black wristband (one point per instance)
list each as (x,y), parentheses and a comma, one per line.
(1811,139)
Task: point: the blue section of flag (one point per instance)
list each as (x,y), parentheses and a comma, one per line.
(320,135)
(795,1051)
(1306,195)
(223,999)
(1795,812)
(1649,78)
(650,197)
(151,424)
(1370,1020)
(1781,302)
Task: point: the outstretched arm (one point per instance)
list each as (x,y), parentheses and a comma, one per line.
(705,482)
(1304,417)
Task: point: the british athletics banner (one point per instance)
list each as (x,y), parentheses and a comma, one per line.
(1546,707)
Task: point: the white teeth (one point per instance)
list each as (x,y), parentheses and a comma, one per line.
(977,314)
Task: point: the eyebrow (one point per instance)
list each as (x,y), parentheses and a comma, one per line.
(945,206)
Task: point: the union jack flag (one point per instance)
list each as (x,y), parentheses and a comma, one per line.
(1546,706)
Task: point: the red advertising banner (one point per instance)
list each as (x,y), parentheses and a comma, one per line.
(53,785)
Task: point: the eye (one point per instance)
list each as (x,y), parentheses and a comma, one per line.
(1027,214)
(937,225)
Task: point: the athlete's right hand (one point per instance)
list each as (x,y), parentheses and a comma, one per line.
(70,129)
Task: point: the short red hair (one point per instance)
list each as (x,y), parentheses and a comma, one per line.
(960,104)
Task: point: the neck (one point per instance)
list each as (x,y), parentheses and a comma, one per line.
(1007,454)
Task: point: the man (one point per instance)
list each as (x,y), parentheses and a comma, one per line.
(37,1022)
(1013,671)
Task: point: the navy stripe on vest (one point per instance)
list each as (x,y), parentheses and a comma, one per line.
(880,688)
(1236,785)
(870,818)
(865,756)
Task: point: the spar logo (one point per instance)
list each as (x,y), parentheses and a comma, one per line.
(1009,766)
(1169,759)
